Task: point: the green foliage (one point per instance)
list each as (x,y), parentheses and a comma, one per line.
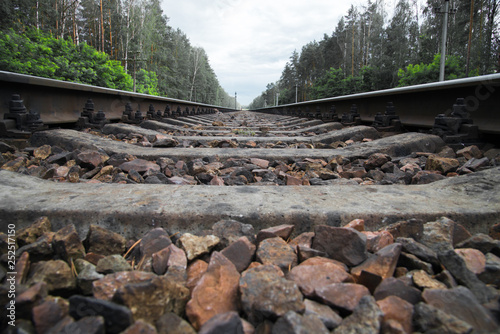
(146,82)
(42,55)
(425,73)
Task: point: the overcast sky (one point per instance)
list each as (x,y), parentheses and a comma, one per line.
(248,42)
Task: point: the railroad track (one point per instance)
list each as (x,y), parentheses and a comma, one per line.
(287,139)
(277,173)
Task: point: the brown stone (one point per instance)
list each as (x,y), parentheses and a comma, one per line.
(55,273)
(217,181)
(171,323)
(22,268)
(216,292)
(422,280)
(260,162)
(368,279)
(67,244)
(342,296)
(42,152)
(292,180)
(282,231)
(140,327)
(93,258)
(15,164)
(154,241)
(375,241)
(318,272)
(395,287)
(427,176)
(194,272)
(48,314)
(470,152)
(139,165)
(26,300)
(376,160)
(91,159)
(357,224)
(343,244)
(383,263)
(149,300)
(106,287)
(444,165)
(411,228)
(61,172)
(39,250)
(29,234)
(495,231)
(172,256)
(195,246)
(397,309)
(474,259)
(104,242)
(276,251)
(302,240)
(305,253)
(240,253)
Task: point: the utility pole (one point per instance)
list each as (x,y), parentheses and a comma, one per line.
(443,35)
(235,103)
(277,97)
(296,91)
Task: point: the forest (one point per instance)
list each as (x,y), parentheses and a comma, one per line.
(368,50)
(121,44)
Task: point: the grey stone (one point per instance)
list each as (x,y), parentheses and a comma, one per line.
(342,244)
(173,324)
(457,267)
(429,319)
(89,325)
(228,322)
(395,287)
(461,303)
(366,318)
(87,274)
(482,242)
(329,317)
(294,323)
(112,264)
(491,274)
(419,250)
(258,284)
(116,317)
(230,230)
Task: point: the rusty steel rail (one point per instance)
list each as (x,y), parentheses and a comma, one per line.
(62,102)
(416,105)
